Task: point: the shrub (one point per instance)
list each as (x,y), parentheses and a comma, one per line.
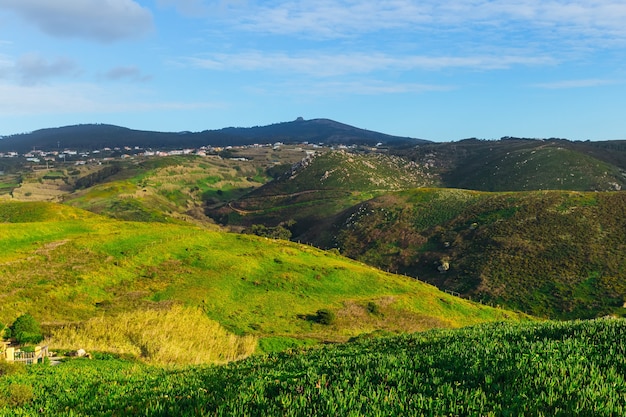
(26,329)
(325,316)
(278,232)
(10,368)
(373,308)
(20,394)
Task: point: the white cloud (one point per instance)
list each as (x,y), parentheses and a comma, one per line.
(328,65)
(190,8)
(6,65)
(328,19)
(33,68)
(101,20)
(128,73)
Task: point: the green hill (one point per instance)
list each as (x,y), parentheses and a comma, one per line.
(513,164)
(169,189)
(319,187)
(98,136)
(70,272)
(175,188)
(36,212)
(548,253)
(349,171)
(539,369)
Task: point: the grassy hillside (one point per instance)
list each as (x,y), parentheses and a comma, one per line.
(550,253)
(8,183)
(20,212)
(524,164)
(165,189)
(69,271)
(341,170)
(539,369)
(171,189)
(320,187)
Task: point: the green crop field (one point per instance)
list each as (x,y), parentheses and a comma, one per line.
(534,369)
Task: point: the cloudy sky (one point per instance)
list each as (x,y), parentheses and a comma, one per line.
(432,69)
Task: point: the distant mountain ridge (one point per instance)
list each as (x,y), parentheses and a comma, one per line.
(98,136)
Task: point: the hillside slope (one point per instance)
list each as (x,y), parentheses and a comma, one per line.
(513,164)
(70,271)
(169,189)
(319,187)
(549,253)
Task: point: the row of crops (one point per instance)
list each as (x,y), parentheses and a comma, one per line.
(529,369)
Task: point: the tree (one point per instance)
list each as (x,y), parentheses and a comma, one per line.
(277,232)
(25,329)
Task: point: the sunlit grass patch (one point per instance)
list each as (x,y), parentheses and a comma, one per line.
(174,336)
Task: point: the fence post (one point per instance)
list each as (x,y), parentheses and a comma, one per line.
(10,354)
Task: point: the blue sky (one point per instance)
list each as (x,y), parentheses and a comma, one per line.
(438,70)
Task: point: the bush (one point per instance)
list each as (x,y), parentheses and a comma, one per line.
(10,368)
(26,329)
(325,316)
(278,232)
(20,394)
(373,308)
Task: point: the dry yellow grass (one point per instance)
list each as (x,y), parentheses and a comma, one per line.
(178,336)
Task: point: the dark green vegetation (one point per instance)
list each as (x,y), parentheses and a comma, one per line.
(513,164)
(315,191)
(25,329)
(548,253)
(89,137)
(83,266)
(538,369)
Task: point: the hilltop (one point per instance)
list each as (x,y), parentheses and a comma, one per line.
(99,136)
(313,191)
(514,164)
